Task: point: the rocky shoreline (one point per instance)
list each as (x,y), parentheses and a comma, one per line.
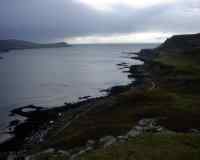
(39,120)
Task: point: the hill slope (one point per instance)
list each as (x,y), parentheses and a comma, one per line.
(181,43)
(175,71)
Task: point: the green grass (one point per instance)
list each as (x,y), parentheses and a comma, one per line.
(180,112)
(188,62)
(179,73)
(51,156)
(151,147)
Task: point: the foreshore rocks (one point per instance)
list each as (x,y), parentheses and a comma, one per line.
(143,126)
(139,72)
(146,55)
(107,141)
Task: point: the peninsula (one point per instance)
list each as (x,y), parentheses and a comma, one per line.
(7,45)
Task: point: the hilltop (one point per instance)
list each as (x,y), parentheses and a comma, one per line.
(6,45)
(181,43)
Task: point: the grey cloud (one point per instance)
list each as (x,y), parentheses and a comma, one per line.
(50,20)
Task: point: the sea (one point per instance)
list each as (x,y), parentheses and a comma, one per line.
(51,77)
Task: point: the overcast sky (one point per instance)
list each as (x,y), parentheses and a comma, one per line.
(98,21)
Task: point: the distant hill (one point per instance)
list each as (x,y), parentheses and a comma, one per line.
(6,45)
(181,43)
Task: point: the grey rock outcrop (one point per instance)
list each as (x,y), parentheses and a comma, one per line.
(107,141)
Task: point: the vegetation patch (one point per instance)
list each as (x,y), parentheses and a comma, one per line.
(151,147)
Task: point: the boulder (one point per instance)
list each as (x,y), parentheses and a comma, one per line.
(66,153)
(107,141)
(122,138)
(90,143)
(146,122)
(194,130)
(134,132)
(85,150)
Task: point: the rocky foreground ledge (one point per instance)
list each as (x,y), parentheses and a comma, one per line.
(142,127)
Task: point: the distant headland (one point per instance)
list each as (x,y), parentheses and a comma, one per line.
(7,45)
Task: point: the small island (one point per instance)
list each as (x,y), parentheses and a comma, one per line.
(12,44)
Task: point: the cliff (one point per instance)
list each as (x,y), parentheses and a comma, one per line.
(180,43)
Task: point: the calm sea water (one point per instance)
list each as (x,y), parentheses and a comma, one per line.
(50,77)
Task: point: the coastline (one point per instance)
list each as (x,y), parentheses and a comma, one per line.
(39,118)
(69,128)
(157,103)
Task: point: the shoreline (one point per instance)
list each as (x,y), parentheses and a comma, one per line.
(40,118)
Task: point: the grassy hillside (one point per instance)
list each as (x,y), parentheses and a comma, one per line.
(151,147)
(176,98)
(189,60)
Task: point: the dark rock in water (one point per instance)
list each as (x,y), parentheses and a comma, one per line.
(118,89)
(26,111)
(84,98)
(180,43)
(122,64)
(147,54)
(138,72)
(14,123)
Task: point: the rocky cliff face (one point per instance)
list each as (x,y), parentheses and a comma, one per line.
(180,43)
